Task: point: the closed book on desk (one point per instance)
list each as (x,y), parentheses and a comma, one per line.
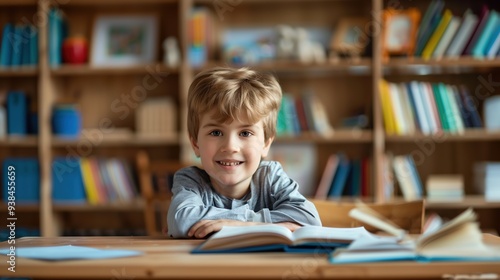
(272,238)
(457,240)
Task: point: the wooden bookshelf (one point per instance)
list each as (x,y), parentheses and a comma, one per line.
(344,86)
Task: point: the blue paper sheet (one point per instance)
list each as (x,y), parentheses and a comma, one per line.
(70,252)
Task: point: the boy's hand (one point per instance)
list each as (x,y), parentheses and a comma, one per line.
(205,227)
(289,225)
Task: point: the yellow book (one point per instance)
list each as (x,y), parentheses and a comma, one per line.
(437,35)
(88,181)
(389,122)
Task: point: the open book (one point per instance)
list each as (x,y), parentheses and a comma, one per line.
(458,239)
(262,238)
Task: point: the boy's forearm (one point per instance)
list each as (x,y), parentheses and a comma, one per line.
(181,220)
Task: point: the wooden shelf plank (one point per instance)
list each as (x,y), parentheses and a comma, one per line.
(465,61)
(20,71)
(419,66)
(19,141)
(74,70)
(117,2)
(21,207)
(133,206)
(359,67)
(18,3)
(475,201)
(354,136)
(133,140)
(468,135)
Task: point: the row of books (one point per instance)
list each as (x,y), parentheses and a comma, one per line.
(427,107)
(20,232)
(443,34)
(73,180)
(93,180)
(25,173)
(19,45)
(300,114)
(445,187)
(345,177)
(15,117)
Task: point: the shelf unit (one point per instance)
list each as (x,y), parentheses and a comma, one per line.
(345,86)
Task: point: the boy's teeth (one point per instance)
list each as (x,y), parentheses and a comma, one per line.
(229,163)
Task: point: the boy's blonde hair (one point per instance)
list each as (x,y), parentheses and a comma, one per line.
(234,93)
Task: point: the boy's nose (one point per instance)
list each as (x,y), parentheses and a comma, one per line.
(230,144)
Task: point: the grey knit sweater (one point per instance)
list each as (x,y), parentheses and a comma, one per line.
(273,198)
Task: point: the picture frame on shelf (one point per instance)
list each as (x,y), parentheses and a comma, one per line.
(124,40)
(400,31)
(350,38)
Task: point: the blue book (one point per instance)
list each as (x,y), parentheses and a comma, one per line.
(461,107)
(26,41)
(488,34)
(17,45)
(17,114)
(6,46)
(56,35)
(33,47)
(25,173)
(353,185)
(67,181)
(470,107)
(340,177)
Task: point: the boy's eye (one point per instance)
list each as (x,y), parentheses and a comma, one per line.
(245,133)
(216,133)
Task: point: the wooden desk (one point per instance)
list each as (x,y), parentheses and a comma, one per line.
(170,259)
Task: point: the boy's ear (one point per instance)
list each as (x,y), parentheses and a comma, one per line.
(194,145)
(267,146)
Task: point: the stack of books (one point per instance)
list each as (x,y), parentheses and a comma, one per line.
(445,187)
(487,179)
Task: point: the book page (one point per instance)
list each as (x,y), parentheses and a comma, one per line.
(329,234)
(370,217)
(244,236)
(467,216)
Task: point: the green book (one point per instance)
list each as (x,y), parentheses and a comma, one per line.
(440,107)
(450,119)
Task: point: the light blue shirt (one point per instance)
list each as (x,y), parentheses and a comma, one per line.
(274,197)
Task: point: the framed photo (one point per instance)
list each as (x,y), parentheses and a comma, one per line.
(400,30)
(350,36)
(124,40)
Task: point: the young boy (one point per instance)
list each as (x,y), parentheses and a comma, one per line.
(231,123)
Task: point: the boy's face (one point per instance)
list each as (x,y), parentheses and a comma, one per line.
(230,153)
